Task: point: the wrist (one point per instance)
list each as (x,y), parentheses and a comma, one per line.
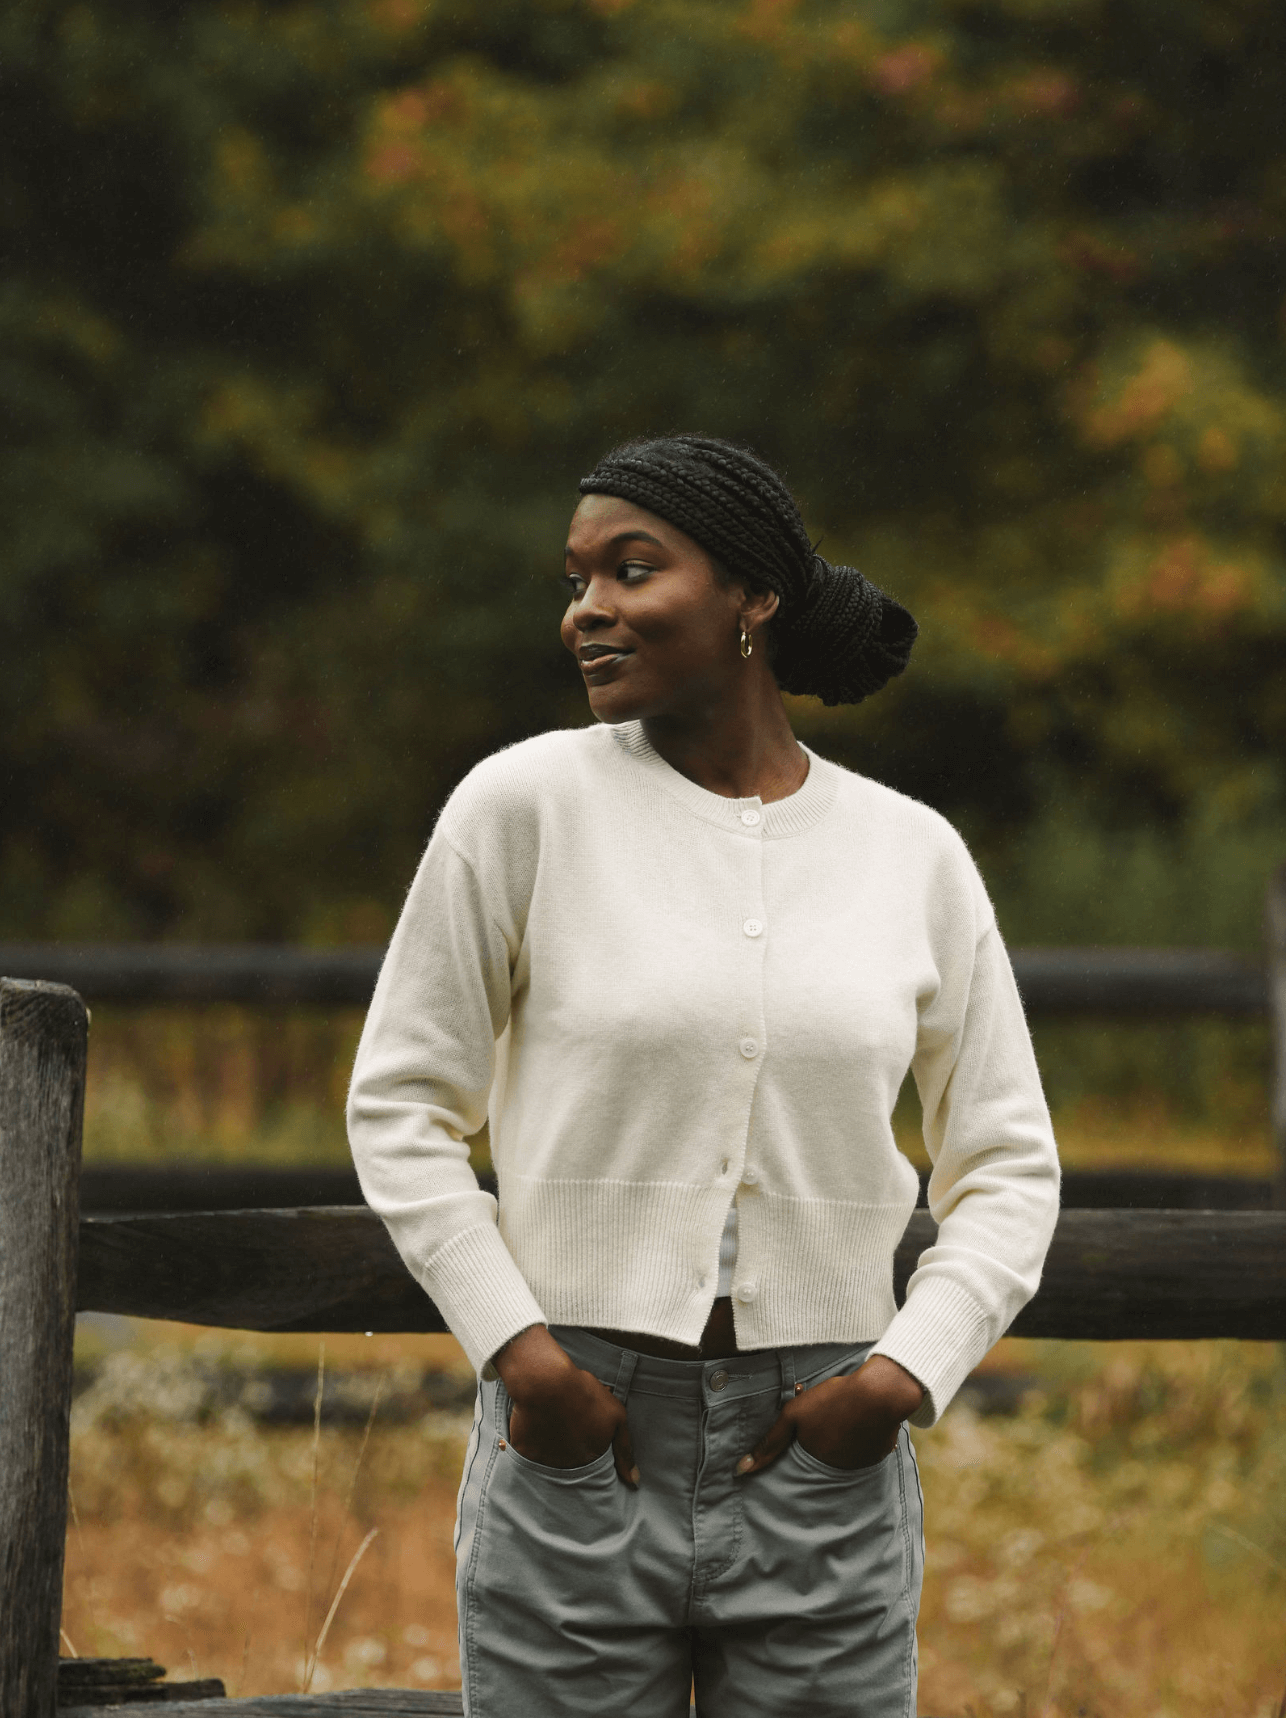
(899,1392)
(529,1362)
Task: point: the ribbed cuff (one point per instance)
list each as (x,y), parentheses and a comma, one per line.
(480,1292)
(939,1336)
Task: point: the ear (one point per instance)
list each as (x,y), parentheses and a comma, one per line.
(757,608)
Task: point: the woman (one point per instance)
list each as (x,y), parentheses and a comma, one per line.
(684,964)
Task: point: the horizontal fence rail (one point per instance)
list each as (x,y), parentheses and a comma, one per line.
(214,972)
(1110,1275)
(346,1703)
(1053,981)
(122,1187)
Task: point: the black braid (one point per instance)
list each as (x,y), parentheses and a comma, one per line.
(835,634)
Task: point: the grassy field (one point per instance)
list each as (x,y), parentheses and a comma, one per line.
(1117,1546)
(199,1541)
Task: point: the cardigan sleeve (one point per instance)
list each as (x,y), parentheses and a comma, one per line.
(994,1187)
(420,1086)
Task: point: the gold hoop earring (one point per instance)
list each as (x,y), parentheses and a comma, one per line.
(747,644)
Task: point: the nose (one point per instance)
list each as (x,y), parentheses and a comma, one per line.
(591,609)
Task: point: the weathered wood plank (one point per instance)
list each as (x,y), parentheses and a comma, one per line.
(75,1674)
(257,973)
(133,1682)
(185,1186)
(322,1268)
(142,1187)
(1140,982)
(1109,1275)
(43,1031)
(350,1703)
(1179,1275)
(125,1702)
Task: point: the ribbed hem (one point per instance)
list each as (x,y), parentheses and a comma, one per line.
(621,1255)
(644,1256)
(480,1292)
(795,814)
(814,1270)
(939,1336)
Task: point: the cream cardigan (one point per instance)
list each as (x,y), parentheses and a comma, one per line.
(666,1001)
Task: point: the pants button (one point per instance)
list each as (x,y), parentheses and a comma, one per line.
(719,1380)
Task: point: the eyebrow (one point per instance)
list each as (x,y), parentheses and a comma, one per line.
(625,537)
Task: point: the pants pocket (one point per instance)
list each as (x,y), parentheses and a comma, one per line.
(843,1475)
(565,1475)
(566,1523)
(562,1475)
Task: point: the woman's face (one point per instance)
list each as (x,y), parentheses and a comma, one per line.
(653,628)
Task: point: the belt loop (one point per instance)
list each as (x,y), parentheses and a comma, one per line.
(786,1359)
(625,1374)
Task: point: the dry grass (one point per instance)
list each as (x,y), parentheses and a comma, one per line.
(193,1541)
(1118,1547)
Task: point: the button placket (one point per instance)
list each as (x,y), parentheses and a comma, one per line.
(753,937)
(750,1044)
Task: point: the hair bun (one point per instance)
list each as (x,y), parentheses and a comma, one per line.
(836,636)
(843,639)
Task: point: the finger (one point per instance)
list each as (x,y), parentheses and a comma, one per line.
(766,1451)
(623,1450)
(515,1420)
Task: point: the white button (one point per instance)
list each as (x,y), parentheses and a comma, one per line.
(750,818)
(723,1167)
(749,1048)
(753,927)
(746,1292)
(701,1282)
(750,1175)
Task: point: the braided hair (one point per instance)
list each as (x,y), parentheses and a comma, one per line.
(835,635)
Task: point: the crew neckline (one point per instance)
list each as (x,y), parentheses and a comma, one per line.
(798,812)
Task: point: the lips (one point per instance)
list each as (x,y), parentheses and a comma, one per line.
(597,659)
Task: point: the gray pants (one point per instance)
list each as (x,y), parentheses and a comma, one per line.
(793,1591)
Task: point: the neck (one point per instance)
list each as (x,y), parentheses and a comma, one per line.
(741,747)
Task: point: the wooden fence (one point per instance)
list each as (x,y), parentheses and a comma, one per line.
(1180,1274)
(1114,982)
(132,1189)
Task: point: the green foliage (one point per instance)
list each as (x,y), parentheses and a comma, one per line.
(320,310)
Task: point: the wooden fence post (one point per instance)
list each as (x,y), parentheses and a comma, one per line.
(1275,928)
(43,1039)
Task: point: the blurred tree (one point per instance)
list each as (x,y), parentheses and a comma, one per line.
(315,313)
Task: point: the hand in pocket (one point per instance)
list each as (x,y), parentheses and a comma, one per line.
(850,1422)
(561,1416)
